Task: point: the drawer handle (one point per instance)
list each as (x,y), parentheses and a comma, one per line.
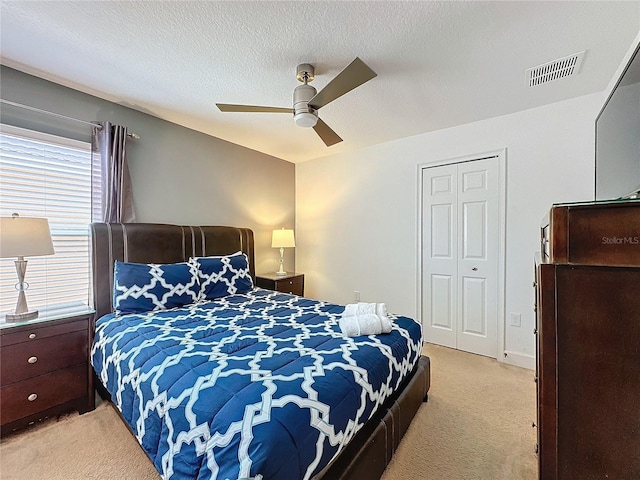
(32,336)
(32,397)
(290,283)
(32,359)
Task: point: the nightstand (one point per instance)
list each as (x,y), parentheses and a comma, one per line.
(44,367)
(290,283)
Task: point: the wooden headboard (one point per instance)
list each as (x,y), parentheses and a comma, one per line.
(157,243)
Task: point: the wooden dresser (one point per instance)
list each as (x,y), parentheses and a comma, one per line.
(588,342)
(44,367)
(290,283)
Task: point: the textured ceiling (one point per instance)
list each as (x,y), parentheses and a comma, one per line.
(439,64)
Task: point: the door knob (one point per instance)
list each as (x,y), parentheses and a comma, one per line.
(475,269)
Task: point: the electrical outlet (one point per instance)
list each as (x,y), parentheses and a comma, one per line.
(515,319)
(356,295)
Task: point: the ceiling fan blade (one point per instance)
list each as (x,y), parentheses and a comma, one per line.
(328,136)
(354,75)
(226,107)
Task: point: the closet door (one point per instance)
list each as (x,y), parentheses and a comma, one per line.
(460,255)
(478,257)
(440,254)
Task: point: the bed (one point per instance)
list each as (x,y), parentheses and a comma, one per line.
(252,383)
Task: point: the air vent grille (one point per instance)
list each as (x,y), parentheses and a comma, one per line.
(560,68)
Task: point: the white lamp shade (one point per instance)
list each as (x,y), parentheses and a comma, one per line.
(25,237)
(283,238)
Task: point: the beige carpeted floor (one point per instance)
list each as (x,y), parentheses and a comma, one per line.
(476,425)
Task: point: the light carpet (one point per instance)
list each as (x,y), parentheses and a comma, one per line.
(476,425)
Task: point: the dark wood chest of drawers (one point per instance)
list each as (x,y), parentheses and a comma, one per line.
(592,234)
(44,370)
(292,283)
(588,343)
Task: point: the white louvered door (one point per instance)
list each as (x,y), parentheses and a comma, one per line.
(460,255)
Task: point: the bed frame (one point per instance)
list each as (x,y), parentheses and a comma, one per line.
(370,451)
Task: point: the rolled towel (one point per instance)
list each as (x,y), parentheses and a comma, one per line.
(364,324)
(386,324)
(359,308)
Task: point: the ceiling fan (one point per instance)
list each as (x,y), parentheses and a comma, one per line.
(307,101)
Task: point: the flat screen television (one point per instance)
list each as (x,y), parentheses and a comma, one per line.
(618,138)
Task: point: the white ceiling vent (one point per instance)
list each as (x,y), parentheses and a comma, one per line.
(560,68)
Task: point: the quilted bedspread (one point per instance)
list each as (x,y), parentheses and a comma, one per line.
(260,383)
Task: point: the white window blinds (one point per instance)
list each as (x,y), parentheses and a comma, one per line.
(47,176)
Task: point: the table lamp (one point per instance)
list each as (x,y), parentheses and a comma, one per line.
(24,237)
(282,239)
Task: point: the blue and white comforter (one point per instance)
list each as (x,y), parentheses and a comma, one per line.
(260,383)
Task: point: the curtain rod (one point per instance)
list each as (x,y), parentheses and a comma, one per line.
(135,136)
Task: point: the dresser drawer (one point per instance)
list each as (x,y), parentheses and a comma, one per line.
(36,332)
(293,286)
(594,234)
(37,357)
(37,394)
(292,283)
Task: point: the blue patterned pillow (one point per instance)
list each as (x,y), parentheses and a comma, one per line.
(140,287)
(224,275)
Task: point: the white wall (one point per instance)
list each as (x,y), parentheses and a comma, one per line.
(356,213)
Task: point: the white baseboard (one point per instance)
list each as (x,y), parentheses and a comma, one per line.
(519,360)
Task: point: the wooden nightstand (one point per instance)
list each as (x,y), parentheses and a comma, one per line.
(290,283)
(44,367)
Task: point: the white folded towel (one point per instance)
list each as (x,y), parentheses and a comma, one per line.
(364,324)
(359,308)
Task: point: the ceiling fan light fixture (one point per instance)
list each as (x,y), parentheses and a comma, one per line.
(305,119)
(307,101)
(303,115)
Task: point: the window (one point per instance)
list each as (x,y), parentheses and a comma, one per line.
(47,176)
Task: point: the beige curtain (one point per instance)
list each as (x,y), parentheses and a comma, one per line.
(110,160)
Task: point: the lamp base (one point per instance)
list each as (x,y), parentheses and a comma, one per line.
(21,317)
(281,271)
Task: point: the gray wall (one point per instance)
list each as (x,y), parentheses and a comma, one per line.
(179,175)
